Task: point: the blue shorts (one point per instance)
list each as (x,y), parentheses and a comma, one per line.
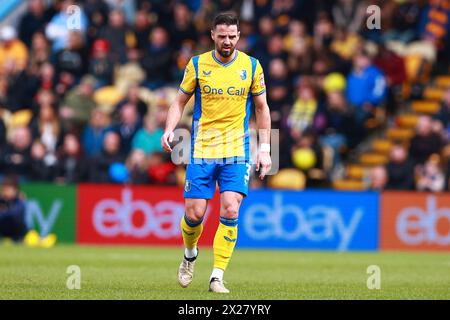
(200,182)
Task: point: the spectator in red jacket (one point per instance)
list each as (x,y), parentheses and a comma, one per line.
(393,67)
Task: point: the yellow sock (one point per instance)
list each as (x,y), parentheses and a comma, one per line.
(191,232)
(224,242)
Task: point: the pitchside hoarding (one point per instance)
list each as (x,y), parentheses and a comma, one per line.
(309,220)
(113,214)
(415,221)
(283,219)
(330,220)
(51,209)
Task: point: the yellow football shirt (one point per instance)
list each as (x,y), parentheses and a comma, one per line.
(222,94)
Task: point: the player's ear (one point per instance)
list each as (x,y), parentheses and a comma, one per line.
(212,34)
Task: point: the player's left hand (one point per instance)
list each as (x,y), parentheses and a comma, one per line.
(263,163)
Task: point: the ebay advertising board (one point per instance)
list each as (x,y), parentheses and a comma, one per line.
(415,221)
(268,219)
(309,220)
(116,214)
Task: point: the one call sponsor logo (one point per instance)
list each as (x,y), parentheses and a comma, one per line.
(136,215)
(415,221)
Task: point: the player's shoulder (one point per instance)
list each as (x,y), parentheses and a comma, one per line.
(203,56)
(200,56)
(244,55)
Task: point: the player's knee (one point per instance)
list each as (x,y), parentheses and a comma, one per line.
(230,211)
(194,213)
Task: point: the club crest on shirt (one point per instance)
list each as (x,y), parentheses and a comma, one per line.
(243,74)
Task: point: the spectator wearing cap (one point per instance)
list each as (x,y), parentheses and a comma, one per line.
(366,86)
(12,211)
(13,52)
(100,64)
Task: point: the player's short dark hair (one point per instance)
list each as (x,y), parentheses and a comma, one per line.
(228,18)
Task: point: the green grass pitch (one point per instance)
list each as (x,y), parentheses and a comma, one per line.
(150,273)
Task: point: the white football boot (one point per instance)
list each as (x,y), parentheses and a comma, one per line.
(216,285)
(186,271)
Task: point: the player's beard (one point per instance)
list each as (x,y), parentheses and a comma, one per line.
(226,54)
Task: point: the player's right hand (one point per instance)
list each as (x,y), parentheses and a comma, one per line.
(166,140)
